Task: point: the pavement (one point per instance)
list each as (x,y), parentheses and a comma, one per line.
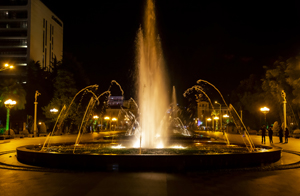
(15,181)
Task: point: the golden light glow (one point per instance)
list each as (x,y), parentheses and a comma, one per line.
(225,116)
(208,119)
(8,66)
(54,110)
(178,147)
(106,118)
(216,118)
(10,102)
(40,123)
(118,147)
(264,110)
(95,117)
(160,145)
(114,119)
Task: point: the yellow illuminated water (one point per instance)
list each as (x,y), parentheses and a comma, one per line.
(152,96)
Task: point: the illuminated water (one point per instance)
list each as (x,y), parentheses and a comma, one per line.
(152,96)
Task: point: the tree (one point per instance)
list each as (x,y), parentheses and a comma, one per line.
(12,89)
(249,97)
(64,91)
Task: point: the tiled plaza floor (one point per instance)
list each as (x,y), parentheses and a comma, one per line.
(23,183)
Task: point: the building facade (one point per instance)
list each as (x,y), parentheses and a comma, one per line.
(29,31)
(206,115)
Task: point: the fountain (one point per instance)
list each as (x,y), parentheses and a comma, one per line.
(156,147)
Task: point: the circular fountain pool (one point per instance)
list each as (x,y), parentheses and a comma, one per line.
(103,156)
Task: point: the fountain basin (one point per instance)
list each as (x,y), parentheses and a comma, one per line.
(142,162)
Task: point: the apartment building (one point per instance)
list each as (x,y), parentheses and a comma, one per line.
(29,31)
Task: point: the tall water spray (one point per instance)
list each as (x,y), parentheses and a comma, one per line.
(152,93)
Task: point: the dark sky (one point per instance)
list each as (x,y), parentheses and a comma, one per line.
(219,41)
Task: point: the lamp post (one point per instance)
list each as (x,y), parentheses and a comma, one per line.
(6,66)
(114,119)
(53,110)
(220,114)
(96,118)
(265,110)
(283,95)
(208,119)
(35,112)
(106,118)
(225,116)
(9,104)
(216,118)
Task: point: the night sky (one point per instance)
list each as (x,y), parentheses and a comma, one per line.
(219,41)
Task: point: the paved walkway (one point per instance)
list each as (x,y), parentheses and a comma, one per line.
(23,183)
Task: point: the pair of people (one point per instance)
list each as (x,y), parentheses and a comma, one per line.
(263,134)
(286,135)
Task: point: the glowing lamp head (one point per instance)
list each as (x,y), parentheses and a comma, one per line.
(54,110)
(264,110)
(209,119)
(106,118)
(10,102)
(225,116)
(114,119)
(95,117)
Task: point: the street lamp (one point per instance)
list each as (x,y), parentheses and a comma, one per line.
(9,104)
(226,116)
(35,112)
(265,110)
(220,114)
(107,118)
(283,95)
(96,121)
(114,119)
(208,119)
(6,66)
(216,118)
(53,110)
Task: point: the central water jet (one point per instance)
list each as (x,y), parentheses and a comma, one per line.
(152,89)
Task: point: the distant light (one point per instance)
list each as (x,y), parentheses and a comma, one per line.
(160,145)
(118,147)
(178,147)
(54,110)
(265,109)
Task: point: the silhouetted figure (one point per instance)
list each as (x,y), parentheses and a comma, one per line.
(286,134)
(263,134)
(271,134)
(280,133)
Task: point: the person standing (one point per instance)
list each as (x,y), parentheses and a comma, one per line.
(271,134)
(280,133)
(263,134)
(286,134)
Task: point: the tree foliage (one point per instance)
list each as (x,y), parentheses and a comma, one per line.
(12,89)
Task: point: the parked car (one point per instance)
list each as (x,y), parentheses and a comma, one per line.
(296,133)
